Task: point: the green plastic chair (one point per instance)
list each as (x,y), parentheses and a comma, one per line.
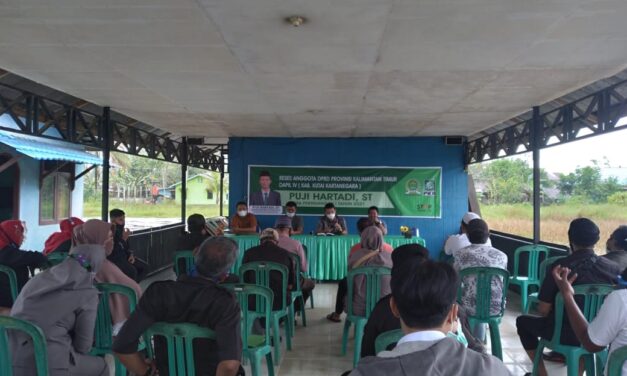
(385,339)
(103,334)
(615,364)
(39,345)
(373,278)
(532,278)
(484,276)
(188,258)
(261,271)
(10,274)
(179,338)
(533,297)
(255,346)
(56,258)
(297,293)
(593,297)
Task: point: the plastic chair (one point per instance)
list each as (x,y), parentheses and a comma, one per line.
(593,297)
(37,337)
(484,276)
(532,278)
(373,278)
(10,274)
(185,256)
(385,339)
(615,364)
(179,338)
(297,293)
(56,258)
(533,297)
(261,271)
(255,346)
(103,334)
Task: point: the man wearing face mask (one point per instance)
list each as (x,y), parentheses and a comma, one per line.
(243,222)
(121,255)
(331,223)
(296,220)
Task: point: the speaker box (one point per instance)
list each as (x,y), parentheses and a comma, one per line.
(454,140)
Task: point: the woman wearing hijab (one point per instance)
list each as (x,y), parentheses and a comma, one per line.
(12,235)
(99,232)
(63,302)
(62,241)
(370,254)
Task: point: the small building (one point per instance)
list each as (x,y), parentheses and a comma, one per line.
(202,189)
(40,182)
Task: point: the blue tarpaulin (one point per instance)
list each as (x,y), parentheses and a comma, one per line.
(48,149)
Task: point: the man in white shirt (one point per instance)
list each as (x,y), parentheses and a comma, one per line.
(609,327)
(458,241)
(423,297)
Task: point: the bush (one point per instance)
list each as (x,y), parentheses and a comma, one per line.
(618,198)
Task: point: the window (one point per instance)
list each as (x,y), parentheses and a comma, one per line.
(55,194)
(209,195)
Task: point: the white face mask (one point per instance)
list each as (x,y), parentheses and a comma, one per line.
(242,213)
(331,216)
(290,215)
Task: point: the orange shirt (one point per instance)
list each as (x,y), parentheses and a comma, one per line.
(246,222)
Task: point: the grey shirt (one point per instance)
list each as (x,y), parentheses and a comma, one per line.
(440,357)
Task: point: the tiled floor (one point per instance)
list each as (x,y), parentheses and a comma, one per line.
(316,348)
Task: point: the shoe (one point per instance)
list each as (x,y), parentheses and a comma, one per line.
(553,356)
(334,317)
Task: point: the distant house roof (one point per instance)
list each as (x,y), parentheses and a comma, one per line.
(205,176)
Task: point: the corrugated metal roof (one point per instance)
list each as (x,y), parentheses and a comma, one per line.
(47,149)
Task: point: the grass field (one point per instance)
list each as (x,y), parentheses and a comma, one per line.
(168,209)
(554,219)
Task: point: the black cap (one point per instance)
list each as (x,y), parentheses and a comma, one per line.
(583,232)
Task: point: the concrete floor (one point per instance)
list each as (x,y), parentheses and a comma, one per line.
(316,348)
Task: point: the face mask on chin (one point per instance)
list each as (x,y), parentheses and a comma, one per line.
(290,215)
(242,213)
(331,216)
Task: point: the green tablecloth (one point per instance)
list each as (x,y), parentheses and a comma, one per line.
(327,256)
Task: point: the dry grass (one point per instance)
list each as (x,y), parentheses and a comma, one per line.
(518,220)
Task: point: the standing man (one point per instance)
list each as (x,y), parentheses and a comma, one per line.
(296,220)
(330,223)
(243,222)
(265,197)
(121,255)
(154,191)
(373,215)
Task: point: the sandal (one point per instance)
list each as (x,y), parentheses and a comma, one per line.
(334,317)
(553,356)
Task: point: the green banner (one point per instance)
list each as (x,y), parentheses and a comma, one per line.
(396,191)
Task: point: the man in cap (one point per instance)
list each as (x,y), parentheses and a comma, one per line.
(458,241)
(269,251)
(583,234)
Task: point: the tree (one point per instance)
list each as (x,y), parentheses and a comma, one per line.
(588,183)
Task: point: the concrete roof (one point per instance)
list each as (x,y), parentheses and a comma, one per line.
(220,68)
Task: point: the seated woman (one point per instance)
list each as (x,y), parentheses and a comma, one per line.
(62,241)
(97,232)
(370,254)
(12,235)
(63,302)
(617,247)
(196,233)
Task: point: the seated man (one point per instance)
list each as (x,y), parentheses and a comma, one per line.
(330,223)
(609,327)
(456,242)
(269,251)
(617,247)
(243,222)
(198,300)
(122,256)
(283,227)
(296,220)
(479,254)
(373,215)
(583,234)
(423,297)
(197,233)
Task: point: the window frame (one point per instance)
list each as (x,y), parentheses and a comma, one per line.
(57,169)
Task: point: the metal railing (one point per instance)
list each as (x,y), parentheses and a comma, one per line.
(157,245)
